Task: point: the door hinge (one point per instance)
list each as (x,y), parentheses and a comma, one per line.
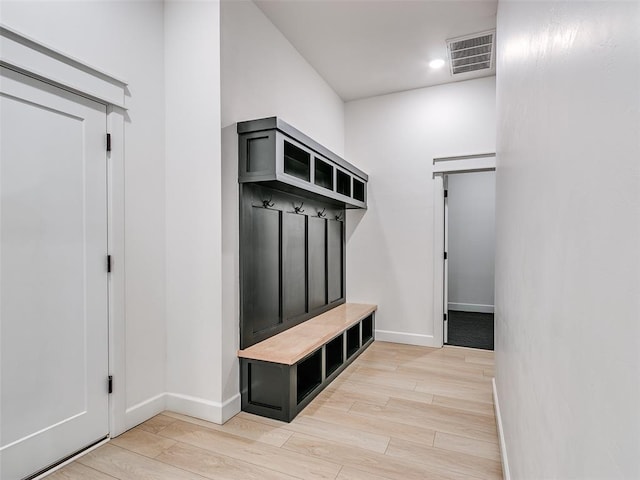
(444,317)
(445,255)
(110,383)
(446,193)
(108,142)
(108,263)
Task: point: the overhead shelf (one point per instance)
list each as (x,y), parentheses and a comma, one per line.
(273,152)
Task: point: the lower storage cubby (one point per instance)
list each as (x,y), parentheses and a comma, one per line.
(353,340)
(367,329)
(309,375)
(280,376)
(334,355)
(262,378)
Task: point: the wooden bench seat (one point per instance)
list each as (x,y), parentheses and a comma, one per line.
(282,374)
(297,342)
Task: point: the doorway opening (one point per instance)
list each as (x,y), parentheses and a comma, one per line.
(469,210)
(465,311)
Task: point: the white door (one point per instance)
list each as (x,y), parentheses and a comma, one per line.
(53,276)
(445,313)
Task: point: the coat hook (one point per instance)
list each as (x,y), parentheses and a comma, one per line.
(298,209)
(322,214)
(268,203)
(339,217)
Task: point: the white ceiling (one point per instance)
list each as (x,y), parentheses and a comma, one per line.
(364,48)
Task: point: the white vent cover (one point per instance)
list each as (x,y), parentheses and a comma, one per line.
(471,52)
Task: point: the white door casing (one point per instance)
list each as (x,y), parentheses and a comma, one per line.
(53,277)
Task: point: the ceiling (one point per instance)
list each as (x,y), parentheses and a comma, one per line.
(364,48)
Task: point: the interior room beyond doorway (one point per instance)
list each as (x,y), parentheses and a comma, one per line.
(470,250)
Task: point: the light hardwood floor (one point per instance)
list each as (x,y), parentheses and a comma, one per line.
(398,412)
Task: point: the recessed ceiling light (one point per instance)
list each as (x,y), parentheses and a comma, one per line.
(437,63)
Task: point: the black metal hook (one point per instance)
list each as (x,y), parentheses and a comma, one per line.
(268,203)
(322,214)
(298,209)
(339,217)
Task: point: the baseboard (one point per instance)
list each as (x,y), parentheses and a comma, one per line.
(470,307)
(406,338)
(231,407)
(215,412)
(503,447)
(143,411)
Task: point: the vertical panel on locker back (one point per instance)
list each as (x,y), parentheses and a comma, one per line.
(294,268)
(334,260)
(262,274)
(317,263)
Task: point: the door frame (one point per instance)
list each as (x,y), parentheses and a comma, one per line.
(35,59)
(443,166)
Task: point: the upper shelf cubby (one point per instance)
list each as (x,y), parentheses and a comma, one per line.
(274,152)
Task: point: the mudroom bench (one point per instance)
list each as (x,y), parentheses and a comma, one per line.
(282,374)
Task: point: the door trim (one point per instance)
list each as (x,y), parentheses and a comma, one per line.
(442,166)
(43,62)
(35,59)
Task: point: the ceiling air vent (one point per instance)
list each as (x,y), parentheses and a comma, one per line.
(471,52)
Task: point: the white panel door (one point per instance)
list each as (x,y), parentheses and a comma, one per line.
(53,277)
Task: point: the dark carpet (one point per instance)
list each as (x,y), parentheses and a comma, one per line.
(470,329)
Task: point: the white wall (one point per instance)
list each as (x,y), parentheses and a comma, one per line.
(193,203)
(125,39)
(471,250)
(262,75)
(567,233)
(394,138)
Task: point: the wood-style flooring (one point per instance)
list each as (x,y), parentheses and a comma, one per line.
(398,412)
